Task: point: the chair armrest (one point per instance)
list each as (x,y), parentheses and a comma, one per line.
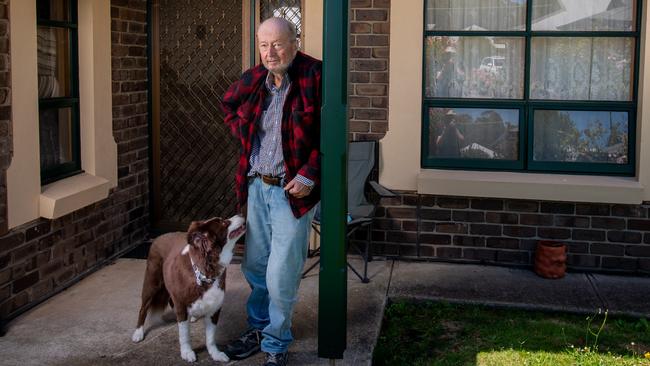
(381,190)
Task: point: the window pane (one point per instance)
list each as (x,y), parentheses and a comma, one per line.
(58,10)
(582,68)
(53,62)
(474,133)
(55,132)
(474,67)
(584,15)
(581,136)
(475,15)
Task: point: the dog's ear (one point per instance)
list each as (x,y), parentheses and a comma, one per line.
(192,230)
(217,229)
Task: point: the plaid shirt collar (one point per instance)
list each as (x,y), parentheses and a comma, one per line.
(270,82)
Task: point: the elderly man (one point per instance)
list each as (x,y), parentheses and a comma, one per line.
(274,111)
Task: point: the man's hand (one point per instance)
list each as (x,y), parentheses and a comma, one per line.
(297,189)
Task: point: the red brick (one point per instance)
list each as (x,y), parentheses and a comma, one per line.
(624,237)
(357,27)
(371,90)
(371,114)
(359,126)
(354,102)
(360,4)
(380,102)
(381,4)
(450,202)
(371,15)
(360,52)
(610,223)
(451,228)
(369,65)
(634,224)
(522,206)
(379,126)
(471,241)
(379,77)
(448,252)
(359,77)
(372,40)
(381,28)
(380,52)
(480,254)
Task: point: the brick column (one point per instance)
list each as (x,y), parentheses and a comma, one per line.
(369,45)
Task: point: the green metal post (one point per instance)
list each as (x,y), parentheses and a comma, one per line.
(332,301)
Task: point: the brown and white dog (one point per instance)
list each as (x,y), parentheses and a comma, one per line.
(188,270)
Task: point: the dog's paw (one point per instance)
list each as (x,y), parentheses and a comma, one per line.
(217,355)
(188,355)
(138,335)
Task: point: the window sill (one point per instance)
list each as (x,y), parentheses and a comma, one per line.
(70,194)
(553,187)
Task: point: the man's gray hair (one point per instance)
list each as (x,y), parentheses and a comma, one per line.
(290,27)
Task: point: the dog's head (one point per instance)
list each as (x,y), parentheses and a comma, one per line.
(213,234)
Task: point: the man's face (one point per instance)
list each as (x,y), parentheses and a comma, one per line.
(276,48)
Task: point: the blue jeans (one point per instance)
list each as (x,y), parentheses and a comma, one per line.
(276,249)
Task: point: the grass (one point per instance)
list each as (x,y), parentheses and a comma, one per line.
(428,333)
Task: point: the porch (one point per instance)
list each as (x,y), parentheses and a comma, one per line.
(91,322)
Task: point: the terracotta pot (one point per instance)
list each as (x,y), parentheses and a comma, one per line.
(550,259)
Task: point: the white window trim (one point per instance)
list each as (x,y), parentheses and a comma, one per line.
(27,200)
(400,167)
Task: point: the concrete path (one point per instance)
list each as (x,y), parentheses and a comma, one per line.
(91,323)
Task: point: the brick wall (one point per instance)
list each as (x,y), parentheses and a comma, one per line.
(600,237)
(369,39)
(44,256)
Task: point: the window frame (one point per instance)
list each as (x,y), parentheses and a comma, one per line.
(527,105)
(72,167)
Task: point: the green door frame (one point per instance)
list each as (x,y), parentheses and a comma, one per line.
(332,301)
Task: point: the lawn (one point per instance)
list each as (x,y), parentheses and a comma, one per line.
(429,333)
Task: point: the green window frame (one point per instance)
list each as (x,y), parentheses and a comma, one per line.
(528,106)
(72,166)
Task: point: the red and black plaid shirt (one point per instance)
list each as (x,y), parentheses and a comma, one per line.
(243,104)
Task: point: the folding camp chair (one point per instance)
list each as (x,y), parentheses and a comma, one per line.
(361,159)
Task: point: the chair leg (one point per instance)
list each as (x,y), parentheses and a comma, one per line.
(364,280)
(366,255)
(310,268)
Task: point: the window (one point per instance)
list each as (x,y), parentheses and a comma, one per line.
(531,85)
(58,89)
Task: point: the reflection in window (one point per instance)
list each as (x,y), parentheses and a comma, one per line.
(475,15)
(473,133)
(581,68)
(58,94)
(474,67)
(581,136)
(583,15)
(55,135)
(53,62)
(57,10)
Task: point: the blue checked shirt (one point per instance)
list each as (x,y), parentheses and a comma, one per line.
(266,154)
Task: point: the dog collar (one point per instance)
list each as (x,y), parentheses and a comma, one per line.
(199,276)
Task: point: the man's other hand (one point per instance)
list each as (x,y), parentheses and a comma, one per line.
(297,189)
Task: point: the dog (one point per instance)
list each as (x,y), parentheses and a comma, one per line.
(188,271)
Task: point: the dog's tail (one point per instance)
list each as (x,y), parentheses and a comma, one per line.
(154,293)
